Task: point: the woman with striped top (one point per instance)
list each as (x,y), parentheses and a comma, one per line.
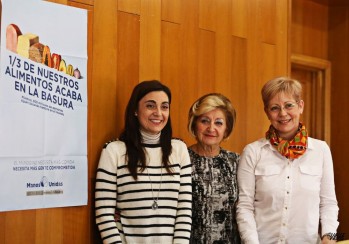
(145,176)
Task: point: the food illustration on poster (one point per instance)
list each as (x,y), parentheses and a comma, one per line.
(28,46)
(43,105)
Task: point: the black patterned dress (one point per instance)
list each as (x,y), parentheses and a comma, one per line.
(215,194)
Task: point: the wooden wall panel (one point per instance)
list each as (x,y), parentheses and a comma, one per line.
(102,93)
(188,62)
(266,13)
(339,56)
(150,32)
(282,36)
(52,219)
(102,62)
(130,6)
(309,31)
(268,59)
(231,69)
(254,81)
(171,11)
(85,2)
(23,219)
(76,223)
(206,62)
(260,71)
(239,17)
(171,69)
(238,92)
(208,14)
(128,70)
(223,82)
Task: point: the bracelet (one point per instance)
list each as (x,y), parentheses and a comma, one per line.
(330,236)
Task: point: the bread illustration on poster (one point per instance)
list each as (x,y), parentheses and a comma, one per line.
(28,46)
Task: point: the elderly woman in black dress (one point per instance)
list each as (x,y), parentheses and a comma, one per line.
(215,192)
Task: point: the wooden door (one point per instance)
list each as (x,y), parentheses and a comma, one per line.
(314,74)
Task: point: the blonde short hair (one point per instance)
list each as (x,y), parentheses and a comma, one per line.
(278,85)
(208,103)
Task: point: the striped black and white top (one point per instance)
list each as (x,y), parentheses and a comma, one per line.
(117,190)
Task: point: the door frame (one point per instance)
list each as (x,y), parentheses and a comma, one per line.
(321,69)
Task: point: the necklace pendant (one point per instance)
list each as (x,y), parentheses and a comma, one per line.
(154,206)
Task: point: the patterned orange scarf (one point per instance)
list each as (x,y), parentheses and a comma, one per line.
(290,149)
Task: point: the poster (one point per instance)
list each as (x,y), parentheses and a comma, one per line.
(43,105)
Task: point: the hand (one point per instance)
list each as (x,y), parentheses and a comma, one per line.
(327,240)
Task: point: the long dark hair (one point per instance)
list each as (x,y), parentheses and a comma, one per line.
(131,134)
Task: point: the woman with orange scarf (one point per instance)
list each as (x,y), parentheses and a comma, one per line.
(286,180)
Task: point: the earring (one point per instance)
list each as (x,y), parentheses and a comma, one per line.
(136,114)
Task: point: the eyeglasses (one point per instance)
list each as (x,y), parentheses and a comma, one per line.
(288,107)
